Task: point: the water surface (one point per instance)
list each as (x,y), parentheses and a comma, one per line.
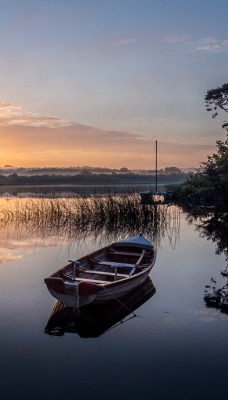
(174,346)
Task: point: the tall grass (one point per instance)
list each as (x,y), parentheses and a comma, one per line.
(115,215)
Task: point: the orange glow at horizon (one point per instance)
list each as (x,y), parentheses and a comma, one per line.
(77,145)
(97,159)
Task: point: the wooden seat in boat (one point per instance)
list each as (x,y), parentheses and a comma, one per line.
(115,264)
(123,253)
(93,272)
(90,280)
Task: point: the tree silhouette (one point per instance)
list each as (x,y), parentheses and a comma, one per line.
(216,99)
(216,167)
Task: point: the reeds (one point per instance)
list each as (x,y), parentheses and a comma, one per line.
(107,215)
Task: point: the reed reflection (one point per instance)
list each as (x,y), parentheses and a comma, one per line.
(212,224)
(95,320)
(104,217)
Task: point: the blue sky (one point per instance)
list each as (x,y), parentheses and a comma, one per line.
(125,72)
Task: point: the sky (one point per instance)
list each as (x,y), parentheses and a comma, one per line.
(97,82)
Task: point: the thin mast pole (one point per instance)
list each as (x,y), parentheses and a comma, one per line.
(156,169)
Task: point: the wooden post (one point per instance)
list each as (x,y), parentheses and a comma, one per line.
(156,167)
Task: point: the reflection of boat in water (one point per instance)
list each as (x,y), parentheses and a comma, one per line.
(105,274)
(150,197)
(95,319)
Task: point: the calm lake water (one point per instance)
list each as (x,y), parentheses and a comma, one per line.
(172,346)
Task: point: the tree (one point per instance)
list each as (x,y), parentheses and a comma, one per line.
(172,170)
(85,171)
(211,179)
(216,167)
(212,176)
(124,169)
(216,99)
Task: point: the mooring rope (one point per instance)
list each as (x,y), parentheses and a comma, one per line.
(119,301)
(121,322)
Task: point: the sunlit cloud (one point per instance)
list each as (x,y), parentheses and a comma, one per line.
(28,139)
(9,106)
(11,114)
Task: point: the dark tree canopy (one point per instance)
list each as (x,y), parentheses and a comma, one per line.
(216,167)
(210,183)
(216,99)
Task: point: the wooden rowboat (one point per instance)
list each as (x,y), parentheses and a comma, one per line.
(105,274)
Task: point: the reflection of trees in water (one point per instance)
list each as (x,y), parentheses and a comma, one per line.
(213,225)
(216,229)
(217,297)
(103,216)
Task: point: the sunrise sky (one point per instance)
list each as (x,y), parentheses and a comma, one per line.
(96,82)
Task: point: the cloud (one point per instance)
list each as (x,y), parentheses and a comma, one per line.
(172,39)
(124,42)
(28,139)
(205,45)
(21,128)
(76,137)
(11,114)
(212,45)
(9,106)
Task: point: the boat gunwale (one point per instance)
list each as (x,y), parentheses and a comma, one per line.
(128,277)
(61,285)
(141,269)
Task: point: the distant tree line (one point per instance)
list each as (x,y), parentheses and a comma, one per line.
(86,178)
(82,170)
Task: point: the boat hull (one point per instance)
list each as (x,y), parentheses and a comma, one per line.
(104,275)
(85,293)
(73,301)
